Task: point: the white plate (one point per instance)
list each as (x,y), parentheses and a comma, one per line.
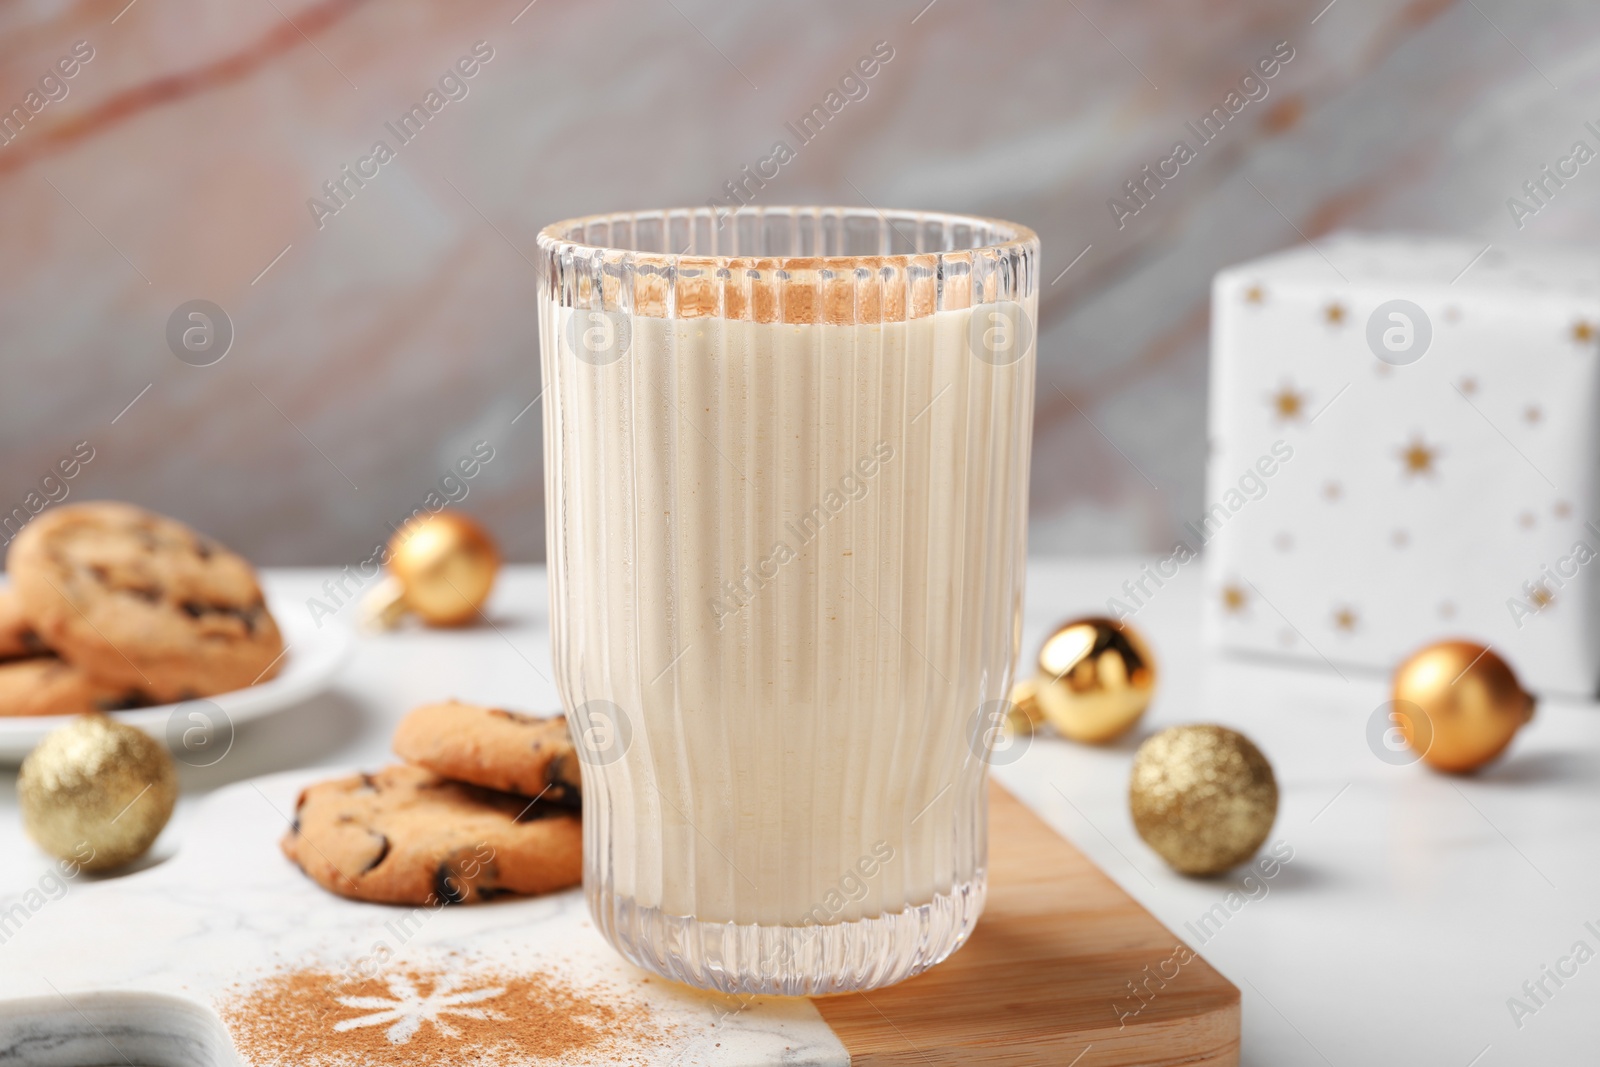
(314,656)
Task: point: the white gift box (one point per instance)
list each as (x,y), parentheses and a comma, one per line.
(1403,449)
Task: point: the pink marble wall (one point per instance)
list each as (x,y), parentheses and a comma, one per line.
(371,355)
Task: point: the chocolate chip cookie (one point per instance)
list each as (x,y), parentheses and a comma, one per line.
(497,749)
(17,636)
(139,600)
(407,836)
(46,685)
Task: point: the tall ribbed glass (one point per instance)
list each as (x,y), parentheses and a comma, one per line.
(786,470)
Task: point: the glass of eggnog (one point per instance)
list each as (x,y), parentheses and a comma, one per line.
(786,473)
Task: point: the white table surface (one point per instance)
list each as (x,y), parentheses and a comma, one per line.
(1414,906)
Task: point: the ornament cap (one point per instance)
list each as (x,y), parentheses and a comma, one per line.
(385,606)
(1025,714)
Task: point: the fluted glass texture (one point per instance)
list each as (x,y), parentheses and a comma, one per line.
(786,468)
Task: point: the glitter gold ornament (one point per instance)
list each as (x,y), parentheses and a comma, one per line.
(97,792)
(441,567)
(1096,677)
(1203,797)
(1458,705)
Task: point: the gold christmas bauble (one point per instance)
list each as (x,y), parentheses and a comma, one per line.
(1096,677)
(441,567)
(96,792)
(1203,797)
(1458,705)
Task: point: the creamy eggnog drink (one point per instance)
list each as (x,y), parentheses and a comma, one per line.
(786,459)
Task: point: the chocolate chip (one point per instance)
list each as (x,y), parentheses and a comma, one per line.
(554,802)
(383,852)
(565,788)
(517,717)
(126,702)
(197,609)
(449,886)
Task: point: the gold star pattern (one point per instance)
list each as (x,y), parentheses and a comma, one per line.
(1334,313)
(1345,619)
(1254,295)
(1533,414)
(1583,332)
(1418,458)
(1541,597)
(1288,404)
(1234,599)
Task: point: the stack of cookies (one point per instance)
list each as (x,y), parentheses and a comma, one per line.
(486,805)
(111,607)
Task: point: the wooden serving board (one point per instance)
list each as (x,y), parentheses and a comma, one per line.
(1046,977)
(178,964)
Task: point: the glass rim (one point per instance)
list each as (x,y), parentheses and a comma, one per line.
(553,239)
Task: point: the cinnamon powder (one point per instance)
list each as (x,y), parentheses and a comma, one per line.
(459,1016)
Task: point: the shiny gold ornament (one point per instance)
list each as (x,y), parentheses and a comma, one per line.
(1203,797)
(1096,678)
(1458,705)
(441,567)
(96,792)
